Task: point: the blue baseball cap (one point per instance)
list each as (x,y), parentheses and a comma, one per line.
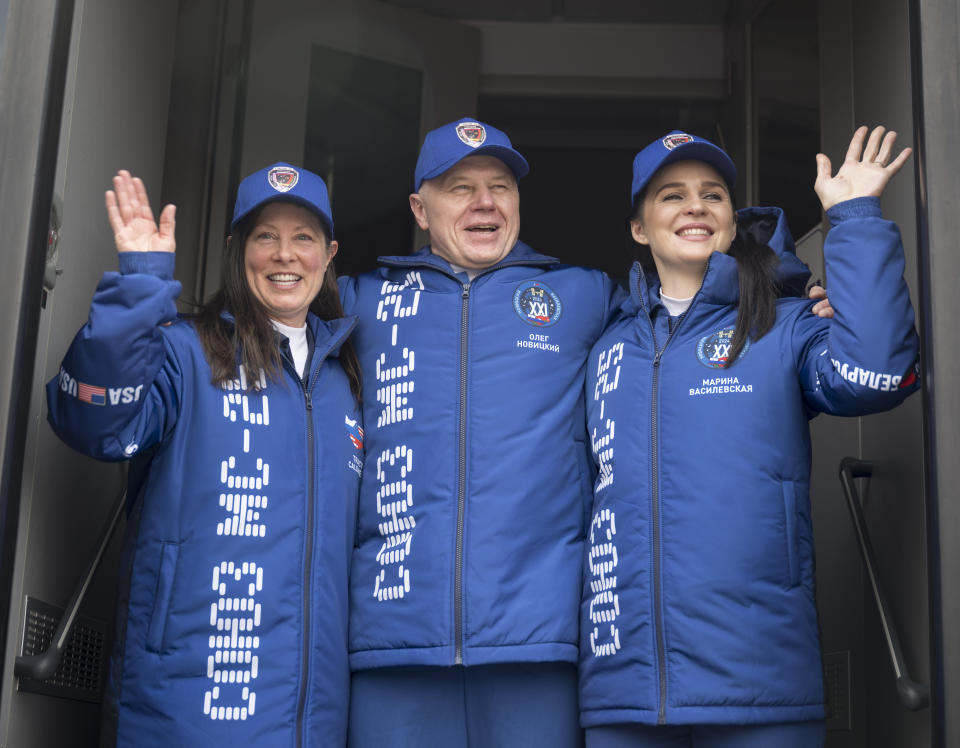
(679,146)
(284,182)
(447,145)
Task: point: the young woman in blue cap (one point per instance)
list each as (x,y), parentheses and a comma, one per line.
(241,424)
(698,620)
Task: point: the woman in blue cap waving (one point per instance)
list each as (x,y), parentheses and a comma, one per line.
(698,620)
(241,424)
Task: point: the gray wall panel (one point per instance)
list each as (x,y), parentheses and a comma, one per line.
(840,578)
(939,29)
(865,74)
(893,441)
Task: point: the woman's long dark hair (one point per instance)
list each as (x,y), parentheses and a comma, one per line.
(757,304)
(756,268)
(251,335)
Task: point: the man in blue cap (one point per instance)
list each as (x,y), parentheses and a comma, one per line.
(477,488)
(476,495)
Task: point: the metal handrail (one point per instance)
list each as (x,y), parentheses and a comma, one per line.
(42,666)
(913,695)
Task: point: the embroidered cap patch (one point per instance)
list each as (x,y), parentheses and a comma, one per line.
(283,178)
(471,133)
(672,141)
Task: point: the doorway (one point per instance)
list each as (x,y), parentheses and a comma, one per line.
(349,87)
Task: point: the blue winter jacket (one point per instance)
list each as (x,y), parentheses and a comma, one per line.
(698,599)
(232,621)
(476,497)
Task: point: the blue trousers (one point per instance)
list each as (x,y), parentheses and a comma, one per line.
(785,735)
(513,705)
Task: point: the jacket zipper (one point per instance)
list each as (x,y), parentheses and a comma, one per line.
(655,514)
(461,481)
(462,436)
(308,556)
(307,389)
(657,590)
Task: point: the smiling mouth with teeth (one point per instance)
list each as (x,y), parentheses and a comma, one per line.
(283,278)
(694,232)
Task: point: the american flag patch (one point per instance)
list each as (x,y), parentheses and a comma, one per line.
(90,394)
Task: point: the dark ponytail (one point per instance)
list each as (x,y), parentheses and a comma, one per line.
(757,304)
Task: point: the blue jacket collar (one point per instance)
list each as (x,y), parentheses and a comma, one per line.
(328,334)
(521,254)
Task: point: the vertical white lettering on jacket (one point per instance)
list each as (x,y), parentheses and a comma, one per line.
(233,665)
(394,498)
(604,600)
(395,385)
(608,379)
(395,366)
(244,500)
(235,615)
(602,559)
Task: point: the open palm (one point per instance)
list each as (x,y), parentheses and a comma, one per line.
(134,229)
(865,170)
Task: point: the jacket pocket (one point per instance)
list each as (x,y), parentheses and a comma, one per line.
(161,599)
(789,490)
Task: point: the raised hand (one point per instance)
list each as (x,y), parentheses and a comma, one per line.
(865,170)
(131,219)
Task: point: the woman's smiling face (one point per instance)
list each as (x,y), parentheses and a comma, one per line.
(286,257)
(686,215)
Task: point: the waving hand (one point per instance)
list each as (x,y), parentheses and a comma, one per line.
(865,170)
(134,229)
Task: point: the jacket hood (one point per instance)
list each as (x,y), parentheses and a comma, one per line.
(331,334)
(721,284)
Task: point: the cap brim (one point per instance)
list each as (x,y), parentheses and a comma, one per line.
(325,220)
(707,153)
(517,163)
(693,151)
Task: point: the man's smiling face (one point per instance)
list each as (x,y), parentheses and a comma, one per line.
(472,212)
